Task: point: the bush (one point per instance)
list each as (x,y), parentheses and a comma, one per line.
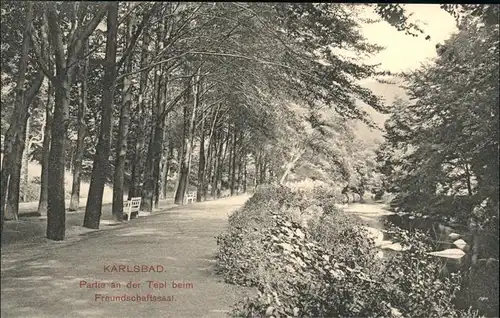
(31,192)
(299,277)
(327,267)
(414,281)
(345,236)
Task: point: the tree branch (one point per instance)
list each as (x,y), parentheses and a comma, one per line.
(135,37)
(148,67)
(77,45)
(39,57)
(56,36)
(250,59)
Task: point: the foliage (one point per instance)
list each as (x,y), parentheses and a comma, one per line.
(442,146)
(414,281)
(328,267)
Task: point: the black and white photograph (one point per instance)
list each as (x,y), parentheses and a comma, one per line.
(249,159)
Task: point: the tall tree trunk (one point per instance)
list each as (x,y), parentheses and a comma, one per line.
(257,168)
(26,161)
(201,163)
(12,209)
(240,170)
(148,186)
(263,169)
(65,66)
(157,159)
(212,149)
(245,175)
(230,159)
(190,129)
(209,168)
(137,162)
(121,142)
(78,156)
(18,150)
(468,178)
(221,165)
(151,175)
(14,129)
(184,167)
(44,176)
(162,171)
(218,144)
(165,169)
(100,167)
(56,217)
(233,162)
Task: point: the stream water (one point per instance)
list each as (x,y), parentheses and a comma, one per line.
(480,290)
(376,216)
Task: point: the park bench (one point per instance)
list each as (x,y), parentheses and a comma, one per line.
(191,196)
(130,206)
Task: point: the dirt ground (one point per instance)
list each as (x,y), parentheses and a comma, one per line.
(147,257)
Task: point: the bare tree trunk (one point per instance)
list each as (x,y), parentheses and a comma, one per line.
(290,166)
(151,176)
(56,218)
(245,175)
(151,173)
(26,161)
(18,150)
(165,170)
(263,169)
(201,163)
(78,156)
(148,186)
(121,142)
(157,160)
(12,209)
(44,176)
(137,163)
(468,178)
(221,165)
(14,130)
(218,151)
(257,169)
(100,167)
(209,168)
(240,169)
(190,129)
(230,159)
(212,150)
(233,162)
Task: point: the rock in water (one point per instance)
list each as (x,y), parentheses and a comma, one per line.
(451,253)
(461,244)
(454,236)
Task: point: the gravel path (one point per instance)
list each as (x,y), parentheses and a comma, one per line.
(174,246)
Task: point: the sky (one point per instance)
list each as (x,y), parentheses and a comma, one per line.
(404,52)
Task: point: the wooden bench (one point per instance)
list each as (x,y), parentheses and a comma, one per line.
(191,196)
(130,206)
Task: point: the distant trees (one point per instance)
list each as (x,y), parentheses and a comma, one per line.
(441,149)
(15,135)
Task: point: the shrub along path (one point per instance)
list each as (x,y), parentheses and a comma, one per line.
(45,279)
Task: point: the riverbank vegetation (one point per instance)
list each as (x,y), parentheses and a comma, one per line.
(308,258)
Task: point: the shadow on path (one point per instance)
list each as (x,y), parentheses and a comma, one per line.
(46,279)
